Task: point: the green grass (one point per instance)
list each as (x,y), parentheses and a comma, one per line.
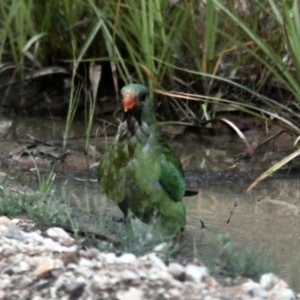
(41,205)
(211,52)
(143,40)
(141,238)
(247,262)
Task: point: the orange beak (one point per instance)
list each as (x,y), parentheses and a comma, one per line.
(128,102)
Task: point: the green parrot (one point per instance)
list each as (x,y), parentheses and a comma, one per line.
(139,171)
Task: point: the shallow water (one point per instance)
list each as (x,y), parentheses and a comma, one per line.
(269,224)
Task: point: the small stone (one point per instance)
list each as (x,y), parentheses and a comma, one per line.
(129,276)
(161,248)
(23,266)
(176,270)
(156,261)
(268,281)
(210,282)
(278,288)
(196,273)
(10,230)
(37,298)
(100,283)
(53,246)
(110,258)
(86,263)
(252,289)
(70,257)
(77,288)
(33,237)
(91,253)
(47,265)
(175,294)
(132,293)
(58,234)
(127,258)
(282,294)
(4,221)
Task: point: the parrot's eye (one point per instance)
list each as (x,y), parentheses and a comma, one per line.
(143,97)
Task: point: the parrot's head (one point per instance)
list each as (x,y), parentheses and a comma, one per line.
(133,98)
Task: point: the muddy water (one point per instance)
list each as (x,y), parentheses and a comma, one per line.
(266,219)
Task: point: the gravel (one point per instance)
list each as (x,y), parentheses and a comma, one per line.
(49,265)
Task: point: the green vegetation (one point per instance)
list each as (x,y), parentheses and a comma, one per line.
(37,206)
(246,263)
(211,52)
(191,46)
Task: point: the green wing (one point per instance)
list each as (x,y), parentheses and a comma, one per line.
(172,176)
(172,180)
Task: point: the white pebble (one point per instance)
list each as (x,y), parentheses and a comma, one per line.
(196,273)
(131,294)
(268,281)
(156,261)
(127,258)
(110,258)
(282,294)
(175,269)
(161,248)
(128,275)
(254,289)
(24,266)
(59,234)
